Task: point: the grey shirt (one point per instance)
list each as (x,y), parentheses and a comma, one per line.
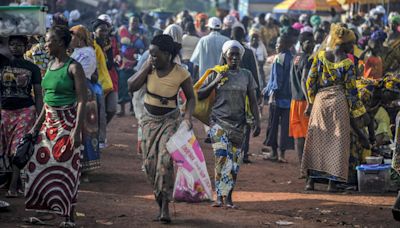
(230,100)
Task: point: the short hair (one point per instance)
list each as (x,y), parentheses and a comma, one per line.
(22,38)
(306,36)
(238,33)
(166,43)
(63,33)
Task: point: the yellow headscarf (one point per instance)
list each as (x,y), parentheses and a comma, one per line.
(83,34)
(340,35)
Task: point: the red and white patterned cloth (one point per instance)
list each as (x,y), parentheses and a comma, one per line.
(54,169)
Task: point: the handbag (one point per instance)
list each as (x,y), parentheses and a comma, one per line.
(25,150)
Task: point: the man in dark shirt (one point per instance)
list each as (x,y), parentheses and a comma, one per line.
(248,62)
(298,76)
(19,78)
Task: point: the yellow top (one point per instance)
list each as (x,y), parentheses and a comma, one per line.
(166,87)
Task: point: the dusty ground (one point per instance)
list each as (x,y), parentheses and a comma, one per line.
(119,196)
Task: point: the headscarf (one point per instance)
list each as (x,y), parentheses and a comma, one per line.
(298,26)
(306,29)
(315,20)
(394,18)
(379,35)
(74,15)
(340,35)
(230,44)
(96,23)
(199,17)
(229,20)
(175,31)
(254,31)
(83,34)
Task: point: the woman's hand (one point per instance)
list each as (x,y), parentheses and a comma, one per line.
(361,121)
(308,110)
(95,77)
(256,129)
(76,139)
(118,60)
(189,122)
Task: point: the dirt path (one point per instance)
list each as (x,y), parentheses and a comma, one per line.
(119,195)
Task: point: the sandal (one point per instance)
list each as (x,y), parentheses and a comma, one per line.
(67,225)
(35,221)
(10,194)
(282,160)
(271,158)
(232,206)
(217,204)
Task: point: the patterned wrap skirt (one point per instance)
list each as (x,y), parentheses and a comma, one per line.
(54,169)
(157,162)
(227,160)
(327,145)
(14,125)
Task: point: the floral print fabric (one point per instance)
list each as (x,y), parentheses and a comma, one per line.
(324,74)
(227,160)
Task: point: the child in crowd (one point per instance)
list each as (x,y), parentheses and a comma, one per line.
(279,92)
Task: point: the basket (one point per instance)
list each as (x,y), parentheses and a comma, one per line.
(22,20)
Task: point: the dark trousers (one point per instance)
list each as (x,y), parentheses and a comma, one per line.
(278,125)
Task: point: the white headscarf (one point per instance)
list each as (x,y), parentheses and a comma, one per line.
(230,44)
(175,31)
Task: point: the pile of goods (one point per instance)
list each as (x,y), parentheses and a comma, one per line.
(22,20)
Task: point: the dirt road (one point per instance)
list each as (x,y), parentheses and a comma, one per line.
(119,195)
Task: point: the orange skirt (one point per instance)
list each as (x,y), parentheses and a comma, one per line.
(298,121)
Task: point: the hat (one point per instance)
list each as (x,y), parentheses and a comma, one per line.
(214,23)
(106,18)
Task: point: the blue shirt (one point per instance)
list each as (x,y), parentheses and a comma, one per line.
(208,51)
(279,81)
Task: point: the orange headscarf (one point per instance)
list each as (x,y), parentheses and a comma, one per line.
(199,17)
(83,34)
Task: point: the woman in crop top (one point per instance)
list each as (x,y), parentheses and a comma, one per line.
(161,118)
(56,159)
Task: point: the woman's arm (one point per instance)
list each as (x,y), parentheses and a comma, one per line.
(76,71)
(39,121)
(190,101)
(37,90)
(254,110)
(208,87)
(136,81)
(312,80)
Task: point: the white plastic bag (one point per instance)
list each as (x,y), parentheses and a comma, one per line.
(192,182)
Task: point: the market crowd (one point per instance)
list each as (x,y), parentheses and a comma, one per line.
(324,82)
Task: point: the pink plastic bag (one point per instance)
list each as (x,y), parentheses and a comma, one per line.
(192,183)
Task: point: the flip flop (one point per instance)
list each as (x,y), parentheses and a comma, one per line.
(35,221)
(232,206)
(217,204)
(282,160)
(270,158)
(67,225)
(10,194)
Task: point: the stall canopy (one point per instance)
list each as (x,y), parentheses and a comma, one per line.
(344,2)
(307,6)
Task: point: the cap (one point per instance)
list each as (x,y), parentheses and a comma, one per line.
(214,23)
(106,18)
